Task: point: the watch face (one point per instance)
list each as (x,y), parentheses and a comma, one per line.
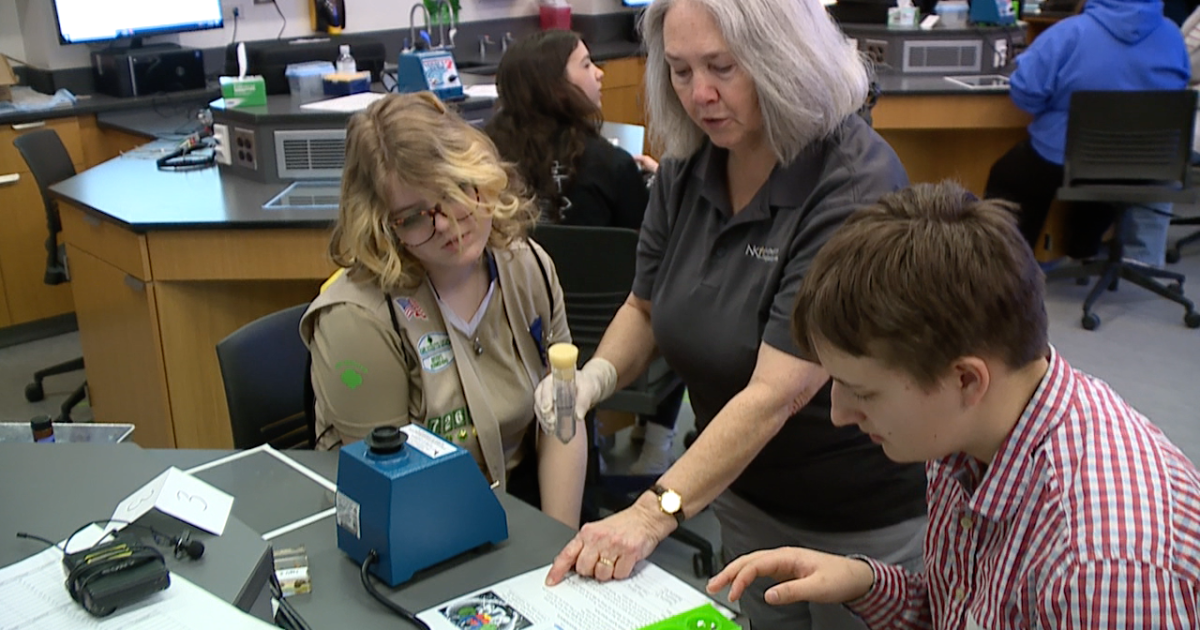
(670,502)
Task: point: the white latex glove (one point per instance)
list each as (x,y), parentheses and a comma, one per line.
(594,382)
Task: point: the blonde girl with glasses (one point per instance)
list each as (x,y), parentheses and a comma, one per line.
(443,310)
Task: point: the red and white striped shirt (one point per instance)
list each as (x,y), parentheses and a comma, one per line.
(1087,518)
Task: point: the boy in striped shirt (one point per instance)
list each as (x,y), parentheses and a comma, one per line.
(1052,502)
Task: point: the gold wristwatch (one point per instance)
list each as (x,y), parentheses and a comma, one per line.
(669,502)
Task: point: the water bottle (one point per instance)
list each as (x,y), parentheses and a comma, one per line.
(345,63)
(563,357)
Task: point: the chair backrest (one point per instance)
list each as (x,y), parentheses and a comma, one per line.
(595,267)
(264,366)
(50,164)
(1130,138)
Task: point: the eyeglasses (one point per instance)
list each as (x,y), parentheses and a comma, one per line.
(416,227)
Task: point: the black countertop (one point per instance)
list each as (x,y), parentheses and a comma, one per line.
(151,122)
(97,103)
(133,192)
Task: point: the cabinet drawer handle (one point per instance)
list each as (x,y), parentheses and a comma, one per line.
(134,283)
(11,178)
(29,125)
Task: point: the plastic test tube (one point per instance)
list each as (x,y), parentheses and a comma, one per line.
(563,357)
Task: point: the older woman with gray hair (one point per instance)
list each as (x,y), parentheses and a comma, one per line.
(755,102)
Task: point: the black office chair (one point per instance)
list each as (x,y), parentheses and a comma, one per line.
(264,366)
(1174,252)
(50,164)
(1122,148)
(595,266)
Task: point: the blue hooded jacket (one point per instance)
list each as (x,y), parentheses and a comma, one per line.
(1112,45)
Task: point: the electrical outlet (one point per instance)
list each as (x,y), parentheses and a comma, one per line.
(244,151)
(221,134)
(1000,54)
(875,50)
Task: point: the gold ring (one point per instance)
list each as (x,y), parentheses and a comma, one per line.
(606,561)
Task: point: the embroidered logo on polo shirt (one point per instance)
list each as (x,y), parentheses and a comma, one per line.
(435,352)
(763,253)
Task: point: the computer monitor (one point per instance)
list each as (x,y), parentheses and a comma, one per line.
(81,21)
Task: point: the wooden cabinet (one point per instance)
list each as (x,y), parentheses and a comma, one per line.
(118,318)
(622,98)
(22,240)
(624,105)
(101,144)
(5,320)
(152,307)
(23,255)
(24,296)
(68,132)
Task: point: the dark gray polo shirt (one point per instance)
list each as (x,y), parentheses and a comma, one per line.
(720,284)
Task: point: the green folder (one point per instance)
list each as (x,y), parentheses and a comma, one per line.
(703,618)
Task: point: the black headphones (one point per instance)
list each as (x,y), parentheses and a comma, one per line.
(181,160)
(182,545)
(87,568)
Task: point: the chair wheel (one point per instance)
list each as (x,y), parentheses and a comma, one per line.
(1176,288)
(1090,321)
(34,392)
(1173,255)
(1112,286)
(1192,319)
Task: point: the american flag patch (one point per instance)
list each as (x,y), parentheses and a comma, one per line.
(412,310)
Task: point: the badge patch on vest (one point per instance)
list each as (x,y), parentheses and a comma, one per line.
(435,352)
(412,309)
(456,425)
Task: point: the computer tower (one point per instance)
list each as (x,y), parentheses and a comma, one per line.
(150,70)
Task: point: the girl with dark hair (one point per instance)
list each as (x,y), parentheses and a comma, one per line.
(548,123)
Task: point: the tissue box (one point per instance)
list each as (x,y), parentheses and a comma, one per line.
(902,17)
(346,83)
(245,92)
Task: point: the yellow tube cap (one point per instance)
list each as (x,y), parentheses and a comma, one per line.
(563,356)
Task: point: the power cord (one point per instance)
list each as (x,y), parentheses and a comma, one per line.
(282,17)
(393,606)
(237,13)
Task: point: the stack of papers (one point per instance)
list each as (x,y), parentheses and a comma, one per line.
(350,104)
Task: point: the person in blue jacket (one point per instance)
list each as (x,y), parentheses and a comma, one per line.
(1110,45)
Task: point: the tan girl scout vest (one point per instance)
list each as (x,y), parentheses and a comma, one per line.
(454,398)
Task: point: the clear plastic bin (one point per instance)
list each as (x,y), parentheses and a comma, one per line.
(952,13)
(304,79)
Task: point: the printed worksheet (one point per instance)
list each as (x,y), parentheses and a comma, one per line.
(524,601)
